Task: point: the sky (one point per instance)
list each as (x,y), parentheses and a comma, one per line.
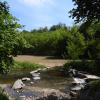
(40,13)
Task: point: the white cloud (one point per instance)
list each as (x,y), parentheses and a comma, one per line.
(36,2)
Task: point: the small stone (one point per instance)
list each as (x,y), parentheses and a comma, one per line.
(36,74)
(32,82)
(23,96)
(26,79)
(36,78)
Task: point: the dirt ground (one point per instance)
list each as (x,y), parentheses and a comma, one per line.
(47,61)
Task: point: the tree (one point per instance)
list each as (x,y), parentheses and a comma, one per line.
(86,10)
(58,26)
(75,44)
(8,37)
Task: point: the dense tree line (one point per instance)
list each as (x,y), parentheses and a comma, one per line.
(67,42)
(63,41)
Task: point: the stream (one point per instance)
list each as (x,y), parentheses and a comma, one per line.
(51,79)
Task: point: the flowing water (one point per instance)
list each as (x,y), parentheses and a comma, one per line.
(51,78)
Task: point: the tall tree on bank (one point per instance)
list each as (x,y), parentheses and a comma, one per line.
(86,10)
(8,37)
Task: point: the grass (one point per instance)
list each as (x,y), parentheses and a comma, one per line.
(26,65)
(47,61)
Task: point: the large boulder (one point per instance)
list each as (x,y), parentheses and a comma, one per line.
(26,79)
(18,84)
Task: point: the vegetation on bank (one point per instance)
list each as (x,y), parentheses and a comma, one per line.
(26,65)
(8,37)
(91,66)
(66,42)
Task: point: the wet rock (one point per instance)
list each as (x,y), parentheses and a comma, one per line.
(32,82)
(18,84)
(73,94)
(77,88)
(48,94)
(36,74)
(36,78)
(52,94)
(92,76)
(79,81)
(81,75)
(26,79)
(35,71)
(74,72)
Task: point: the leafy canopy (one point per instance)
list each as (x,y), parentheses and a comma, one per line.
(8,37)
(86,10)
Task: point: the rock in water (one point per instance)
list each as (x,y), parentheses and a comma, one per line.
(26,79)
(18,84)
(35,71)
(92,76)
(77,88)
(36,74)
(79,81)
(36,78)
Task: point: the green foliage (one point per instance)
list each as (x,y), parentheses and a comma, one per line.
(86,10)
(92,38)
(46,43)
(26,65)
(62,41)
(75,44)
(88,13)
(57,27)
(8,37)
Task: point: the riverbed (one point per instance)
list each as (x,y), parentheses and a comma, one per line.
(49,79)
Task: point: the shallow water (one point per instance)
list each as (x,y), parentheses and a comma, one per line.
(49,79)
(14,75)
